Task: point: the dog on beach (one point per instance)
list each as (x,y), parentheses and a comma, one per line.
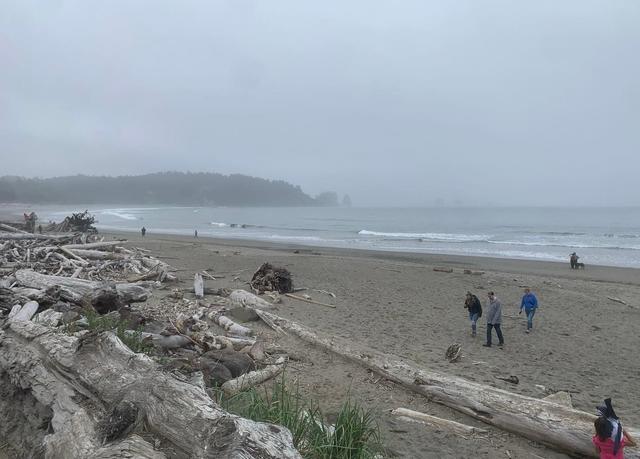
(579,265)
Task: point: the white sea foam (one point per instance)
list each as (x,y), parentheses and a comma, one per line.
(219,225)
(479,252)
(120,214)
(294,238)
(567,244)
(442,237)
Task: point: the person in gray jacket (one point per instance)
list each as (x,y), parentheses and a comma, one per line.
(494,319)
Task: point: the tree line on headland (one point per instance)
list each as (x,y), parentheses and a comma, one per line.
(177,188)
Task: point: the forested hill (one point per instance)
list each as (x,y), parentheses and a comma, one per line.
(161,188)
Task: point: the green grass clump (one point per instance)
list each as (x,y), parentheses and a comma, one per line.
(133,340)
(355,434)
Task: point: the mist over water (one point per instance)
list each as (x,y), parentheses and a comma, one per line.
(601,236)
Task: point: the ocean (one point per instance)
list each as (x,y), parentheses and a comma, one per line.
(600,236)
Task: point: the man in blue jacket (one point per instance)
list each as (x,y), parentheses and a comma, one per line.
(529,304)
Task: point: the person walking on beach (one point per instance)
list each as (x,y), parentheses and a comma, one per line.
(143,231)
(494,319)
(472,304)
(529,303)
(195,234)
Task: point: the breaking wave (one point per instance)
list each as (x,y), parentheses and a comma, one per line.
(119,214)
(294,238)
(437,237)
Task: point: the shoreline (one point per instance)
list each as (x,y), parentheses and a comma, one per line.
(597,273)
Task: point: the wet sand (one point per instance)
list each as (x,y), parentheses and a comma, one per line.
(582,342)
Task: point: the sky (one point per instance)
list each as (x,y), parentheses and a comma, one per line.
(395,103)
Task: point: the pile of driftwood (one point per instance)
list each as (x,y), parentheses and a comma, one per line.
(74,255)
(76,222)
(71,388)
(269,278)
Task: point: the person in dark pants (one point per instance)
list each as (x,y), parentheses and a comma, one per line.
(143,231)
(472,304)
(494,319)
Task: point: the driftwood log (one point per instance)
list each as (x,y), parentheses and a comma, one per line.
(91,392)
(245,299)
(230,326)
(198,285)
(253,378)
(445,425)
(78,290)
(560,427)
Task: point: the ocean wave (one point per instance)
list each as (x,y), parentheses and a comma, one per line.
(119,214)
(519,254)
(219,225)
(436,237)
(294,238)
(568,244)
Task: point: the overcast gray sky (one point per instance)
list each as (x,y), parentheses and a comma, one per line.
(395,103)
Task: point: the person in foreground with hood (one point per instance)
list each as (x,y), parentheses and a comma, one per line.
(610,439)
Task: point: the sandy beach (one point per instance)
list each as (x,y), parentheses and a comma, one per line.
(582,342)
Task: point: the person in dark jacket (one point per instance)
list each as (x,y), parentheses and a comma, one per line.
(472,304)
(494,319)
(573,260)
(143,231)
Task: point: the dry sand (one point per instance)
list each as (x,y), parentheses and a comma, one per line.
(394,302)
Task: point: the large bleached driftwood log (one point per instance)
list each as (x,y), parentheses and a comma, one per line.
(78,290)
(245,299)
(93,391)
(98,254)
(94,245)
(558,426)
(21,236)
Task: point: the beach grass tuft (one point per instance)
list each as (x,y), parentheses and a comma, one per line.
(99,323)
(355,434)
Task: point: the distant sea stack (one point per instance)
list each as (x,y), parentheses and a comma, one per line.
(168,188)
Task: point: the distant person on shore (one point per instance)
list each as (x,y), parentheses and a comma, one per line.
(529,303)
(494,319)
(40,229)
(472,304)
(143,231)
(195,233)
(573,260)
